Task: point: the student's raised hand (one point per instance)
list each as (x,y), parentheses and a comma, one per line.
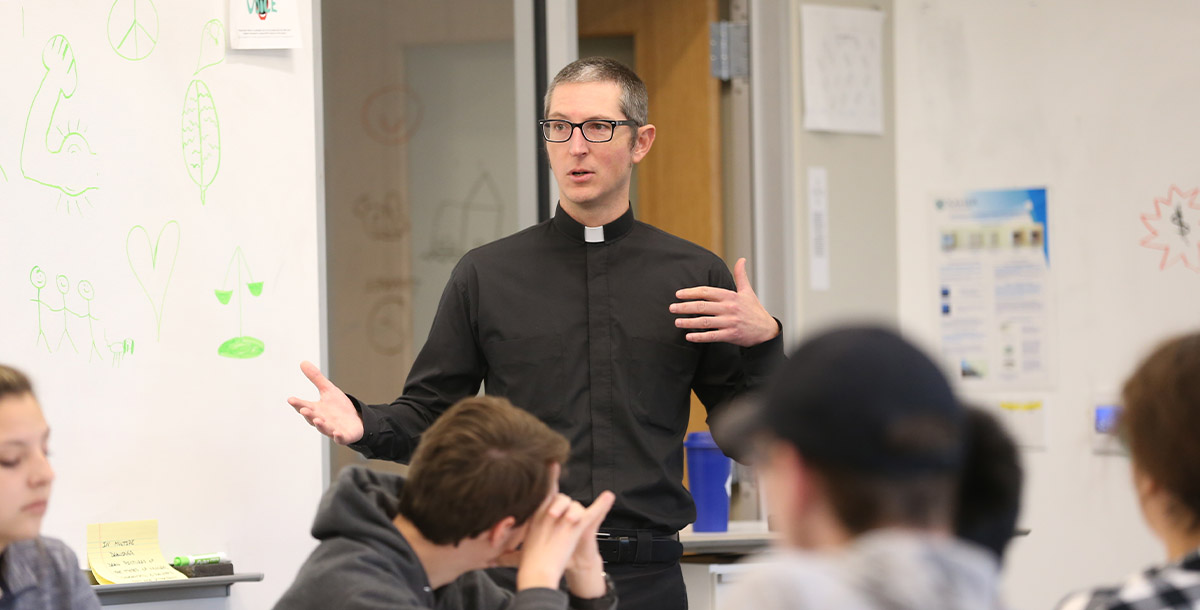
(555,531)
(332,413)
(585,571)
(725,315)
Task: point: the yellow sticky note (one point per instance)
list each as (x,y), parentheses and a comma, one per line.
(127,551)
(1018,405)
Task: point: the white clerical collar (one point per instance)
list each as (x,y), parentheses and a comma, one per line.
(593,235)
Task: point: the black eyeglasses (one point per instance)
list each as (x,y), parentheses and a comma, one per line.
(595,130)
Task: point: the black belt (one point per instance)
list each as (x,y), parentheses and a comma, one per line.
(638,546)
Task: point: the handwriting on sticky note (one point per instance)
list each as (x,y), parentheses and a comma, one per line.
(127,551)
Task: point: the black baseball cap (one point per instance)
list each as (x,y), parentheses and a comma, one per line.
(863,399)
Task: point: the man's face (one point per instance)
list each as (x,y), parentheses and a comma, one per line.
(594,175)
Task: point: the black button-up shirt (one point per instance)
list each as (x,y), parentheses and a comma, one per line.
(579,334)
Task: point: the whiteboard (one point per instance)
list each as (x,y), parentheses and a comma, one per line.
(1092,100)
(159,273)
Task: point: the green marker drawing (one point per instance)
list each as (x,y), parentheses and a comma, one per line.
(133,28)
(37,277)
(153,263)
(64,286)
(3,173)
(241,346)
(201,136)
(87,293)
(212,45)
(118,349)
(53,153)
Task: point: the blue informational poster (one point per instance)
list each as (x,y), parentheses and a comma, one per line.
(994,302)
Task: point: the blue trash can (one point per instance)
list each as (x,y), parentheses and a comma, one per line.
(709,473)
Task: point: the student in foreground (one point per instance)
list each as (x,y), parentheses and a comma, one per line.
(862,444)
(483,482)
(1159,423)
(35,572)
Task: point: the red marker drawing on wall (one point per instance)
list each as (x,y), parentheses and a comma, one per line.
(1171,228)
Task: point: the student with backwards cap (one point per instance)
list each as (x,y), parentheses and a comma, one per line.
(861,445)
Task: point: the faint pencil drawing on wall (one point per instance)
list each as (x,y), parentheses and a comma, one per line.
(391,114)
(388,325)
(383,220)
(473,221)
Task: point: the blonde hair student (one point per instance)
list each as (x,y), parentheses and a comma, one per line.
(35,571)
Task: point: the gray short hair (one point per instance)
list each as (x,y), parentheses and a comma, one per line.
(635,102)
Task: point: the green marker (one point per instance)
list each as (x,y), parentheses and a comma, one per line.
(192,560)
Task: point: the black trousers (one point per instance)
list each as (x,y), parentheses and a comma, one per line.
(648,586)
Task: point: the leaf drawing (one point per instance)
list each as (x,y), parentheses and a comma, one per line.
(212,45)
(201,136)
(133,28)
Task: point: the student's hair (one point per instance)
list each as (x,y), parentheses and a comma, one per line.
(13,382)
(481,461)
(989,494)
(865,500)
(1160,421)
(635,102)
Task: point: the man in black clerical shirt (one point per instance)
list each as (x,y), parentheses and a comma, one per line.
(598,324)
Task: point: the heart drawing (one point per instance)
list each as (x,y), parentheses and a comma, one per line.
(153,263)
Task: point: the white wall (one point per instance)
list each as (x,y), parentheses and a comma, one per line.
(1094,99)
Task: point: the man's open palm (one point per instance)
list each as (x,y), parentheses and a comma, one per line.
(332,413)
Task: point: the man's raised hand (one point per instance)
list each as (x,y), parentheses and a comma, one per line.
(332,413)
(724,315)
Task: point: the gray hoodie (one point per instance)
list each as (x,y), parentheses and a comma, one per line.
(880,570)
(363,563)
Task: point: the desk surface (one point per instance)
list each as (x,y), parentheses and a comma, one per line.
(742,538)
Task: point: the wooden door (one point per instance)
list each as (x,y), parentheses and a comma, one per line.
(679,182)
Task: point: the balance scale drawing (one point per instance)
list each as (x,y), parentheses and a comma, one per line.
(242,346)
